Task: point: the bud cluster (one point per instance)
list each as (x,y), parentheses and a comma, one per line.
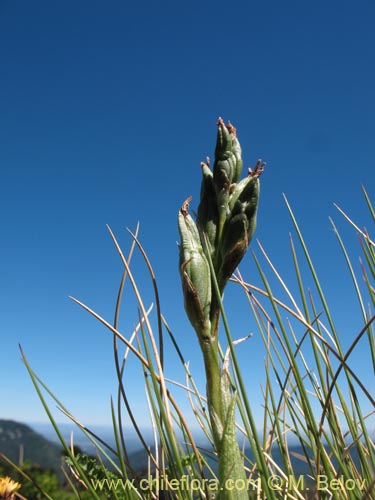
(227,217)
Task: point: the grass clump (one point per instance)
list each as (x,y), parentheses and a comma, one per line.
(313,395)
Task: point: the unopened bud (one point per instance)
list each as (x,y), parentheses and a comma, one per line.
(195,274)
(207,211)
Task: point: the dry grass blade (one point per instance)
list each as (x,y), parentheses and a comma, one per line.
(360,231)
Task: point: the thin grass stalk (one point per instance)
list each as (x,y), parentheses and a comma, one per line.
(370,261)
(99,444)
(122,397)
(307,315)
(158,468)
(273,414)
(199,413)
(119,371)
(333,384)
(313,273)
(69,482)
(184,364)
(161,440)
(189,376)
(143,311)
(158,352)
(365,236)
(369,204)
(266,412)
(280,280)
(260,313)
(118,442)
(164,435)
(57,430)
(370,332)
(322,350)
(158,430)
(298,274)
(350,267)
(165,418)
(275,426)
(308,413)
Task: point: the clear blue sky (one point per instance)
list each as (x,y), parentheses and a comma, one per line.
(107,109)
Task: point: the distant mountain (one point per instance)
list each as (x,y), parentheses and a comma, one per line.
(105,432)
(18,440)
(19,443)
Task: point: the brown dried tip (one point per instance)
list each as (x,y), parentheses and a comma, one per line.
(231,129)
(206,164)
(185,206)
(220,122)
(259,168)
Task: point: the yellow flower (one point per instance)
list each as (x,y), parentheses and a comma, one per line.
(7,488)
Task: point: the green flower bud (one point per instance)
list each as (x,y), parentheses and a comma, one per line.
(227,168)
(228,161)
(224,140)
(236,191)
(234,246)
(240,224)
(195,274)
(207,211)
(241,190)
(249,197)
(236,148)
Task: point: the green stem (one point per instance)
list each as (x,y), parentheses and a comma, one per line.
(221,407)
(210,350)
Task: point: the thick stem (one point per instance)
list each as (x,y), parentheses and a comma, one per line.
(210,352)
(221,407)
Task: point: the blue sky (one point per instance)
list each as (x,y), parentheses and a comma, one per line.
(107,109)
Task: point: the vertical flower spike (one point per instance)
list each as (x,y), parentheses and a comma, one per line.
(226,223)
(226,216)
